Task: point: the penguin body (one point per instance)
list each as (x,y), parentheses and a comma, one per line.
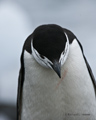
(45,95)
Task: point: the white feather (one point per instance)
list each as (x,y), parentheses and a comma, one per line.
(43,62)
(65,53)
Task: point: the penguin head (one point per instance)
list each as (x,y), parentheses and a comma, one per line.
(50,47)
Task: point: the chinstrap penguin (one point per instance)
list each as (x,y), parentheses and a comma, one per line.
(55,79)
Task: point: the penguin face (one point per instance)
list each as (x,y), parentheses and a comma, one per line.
(50,47)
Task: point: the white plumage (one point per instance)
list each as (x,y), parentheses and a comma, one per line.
(47,97)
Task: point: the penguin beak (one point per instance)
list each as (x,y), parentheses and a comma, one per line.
(57,68)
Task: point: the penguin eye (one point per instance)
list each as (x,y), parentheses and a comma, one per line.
(42,56)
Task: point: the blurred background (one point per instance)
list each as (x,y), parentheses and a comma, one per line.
(18,19)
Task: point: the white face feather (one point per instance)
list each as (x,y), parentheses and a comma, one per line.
(64,54)
(45,62)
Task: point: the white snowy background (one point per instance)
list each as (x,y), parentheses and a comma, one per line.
(19,18)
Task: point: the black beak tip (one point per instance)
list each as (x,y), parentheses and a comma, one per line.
(59,75)
(57,68)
